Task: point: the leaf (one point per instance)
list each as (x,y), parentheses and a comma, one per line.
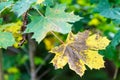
(105,10)
(99,42)
(15,29)
(6,39)
(48,2)
(109,52)
(1,21)
(102,5)
(4,5)
(94,60)
(39,61)
(49,42)
(56,19)
(111,13)
(21,6)
(113,50)
(13,70)
(116,39)
(77,52)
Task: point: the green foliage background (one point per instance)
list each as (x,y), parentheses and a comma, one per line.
(102,16)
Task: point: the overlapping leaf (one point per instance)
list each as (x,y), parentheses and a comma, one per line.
(80,50)
(56,19)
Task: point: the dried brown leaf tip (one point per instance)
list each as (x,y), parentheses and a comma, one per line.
(79,50)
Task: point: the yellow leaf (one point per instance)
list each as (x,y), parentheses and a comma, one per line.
(80,50)
(93,59)
(13,70)
(97,42)
(49,43)
(15,29)
(83,2)
(39,1)
(94,22)
(60,59)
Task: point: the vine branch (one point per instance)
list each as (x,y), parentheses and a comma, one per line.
(31,46)
(24,17)
(31,57)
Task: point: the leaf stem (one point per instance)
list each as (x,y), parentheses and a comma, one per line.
(57,37)
(39,12)
(115,74)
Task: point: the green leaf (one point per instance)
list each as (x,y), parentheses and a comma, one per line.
(1,20)
(116,39)
(107,11)
(22,6)
(6,39)
(112,52)
(102,5)
(4,5)
(109,52)
(56,19)
(38,61)
(111,13)
(48,2)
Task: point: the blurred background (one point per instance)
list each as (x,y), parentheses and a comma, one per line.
(96,16)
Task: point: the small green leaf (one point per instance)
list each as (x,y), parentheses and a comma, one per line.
(1,20)
(22,6)
(6,39)
(116,39)
(56,19)
(38,60)
(48,2)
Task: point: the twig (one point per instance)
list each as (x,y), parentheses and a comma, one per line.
(57,37)
(115,74)
(27,68)
(24,17)
(43,74)
(31,57)
(118,58)
(1,70)
(39,67)
(32,47)
(15,50)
